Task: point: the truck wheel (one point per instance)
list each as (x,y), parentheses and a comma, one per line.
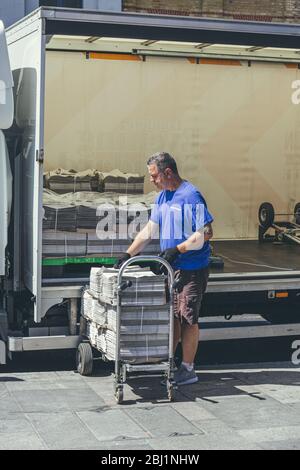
(266,214)
(84,359)
(297,213)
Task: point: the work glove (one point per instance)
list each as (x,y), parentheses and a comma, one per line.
(170,254)
(122,260)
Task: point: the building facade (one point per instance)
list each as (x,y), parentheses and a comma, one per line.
(255,10)
(13,10)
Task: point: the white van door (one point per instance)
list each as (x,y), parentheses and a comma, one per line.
(6,84)
(27,57)
(6,120)
(5,200)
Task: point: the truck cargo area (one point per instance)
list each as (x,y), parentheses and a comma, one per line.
(249,256)
(241,257)
(95,96)
(112,104)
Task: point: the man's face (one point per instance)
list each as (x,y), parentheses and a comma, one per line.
(159,179)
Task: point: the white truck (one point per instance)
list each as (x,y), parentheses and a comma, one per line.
(88,89)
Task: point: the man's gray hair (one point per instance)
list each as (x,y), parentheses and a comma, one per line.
(163,160)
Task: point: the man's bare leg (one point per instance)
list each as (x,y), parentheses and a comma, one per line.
(189,341)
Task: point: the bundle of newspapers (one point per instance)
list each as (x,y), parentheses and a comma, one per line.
(145,288)
(124,183)
(64,181)
(102,224)
(86,243)
(144,323)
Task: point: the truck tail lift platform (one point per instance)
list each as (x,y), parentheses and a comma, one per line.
(284,230)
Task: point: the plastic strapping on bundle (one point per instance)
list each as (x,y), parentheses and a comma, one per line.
(56,219)
(74,186)
(142,320)
(136,290)
(105,316)
(147,348)
(66,247)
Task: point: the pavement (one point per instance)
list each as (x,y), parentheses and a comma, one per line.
(253,406)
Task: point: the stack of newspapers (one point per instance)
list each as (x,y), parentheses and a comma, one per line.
(66,181)
(146,288)
(105,223)
(144,315)
(123,183)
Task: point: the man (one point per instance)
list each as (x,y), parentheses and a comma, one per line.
(184,223)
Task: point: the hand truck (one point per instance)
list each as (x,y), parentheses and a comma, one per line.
(284,230)
(122,367)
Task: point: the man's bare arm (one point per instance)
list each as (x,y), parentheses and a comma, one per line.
(196,240)
(143,238)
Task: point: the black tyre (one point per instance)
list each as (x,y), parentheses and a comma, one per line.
(266,214)
(297,213)
(84,359)
(119,395)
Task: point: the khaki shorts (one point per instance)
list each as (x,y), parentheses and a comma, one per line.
(189,294)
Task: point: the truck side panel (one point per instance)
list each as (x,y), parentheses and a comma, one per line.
(27,61)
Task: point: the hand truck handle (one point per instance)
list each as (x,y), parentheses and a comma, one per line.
(157,259)
(171,290)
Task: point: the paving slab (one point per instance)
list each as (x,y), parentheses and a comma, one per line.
(282,393)
(216,427)
(29,376)
(249,412)
(14,424)
(192,411)
(8,404)
(163,421)
(281,445)
(112,424)
(213,390)
(280,433)
(203,442)
(57,400)
(20,441)
(34,385)
(62,430)
(254,406)
(119,446)
(278,376)
(3,388)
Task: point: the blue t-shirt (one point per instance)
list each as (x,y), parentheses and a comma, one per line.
(179,214)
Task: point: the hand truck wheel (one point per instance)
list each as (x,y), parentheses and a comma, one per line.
(84,359)
(266,214)
(119,394)
(171,391)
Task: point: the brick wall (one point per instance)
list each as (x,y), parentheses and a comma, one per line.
(257,10)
